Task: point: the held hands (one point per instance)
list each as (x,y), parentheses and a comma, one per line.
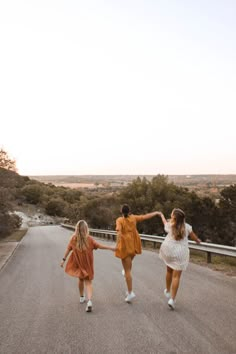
(62,263)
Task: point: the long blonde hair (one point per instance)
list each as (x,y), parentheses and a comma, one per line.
(178,223)
(81,234)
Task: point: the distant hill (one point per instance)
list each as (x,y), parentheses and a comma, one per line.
(183,180)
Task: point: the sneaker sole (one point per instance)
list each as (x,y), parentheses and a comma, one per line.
(129,301)
(171,307)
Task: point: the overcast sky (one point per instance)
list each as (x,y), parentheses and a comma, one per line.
(118,86)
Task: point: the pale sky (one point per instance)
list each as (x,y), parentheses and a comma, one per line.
(118,86)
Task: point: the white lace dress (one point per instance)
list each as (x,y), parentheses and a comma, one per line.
(175,253)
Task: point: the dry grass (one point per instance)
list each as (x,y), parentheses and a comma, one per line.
(224,264)
(15,236)
(78,185)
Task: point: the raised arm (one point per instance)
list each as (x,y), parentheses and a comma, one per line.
(150,215)
(194,237)
(162,217)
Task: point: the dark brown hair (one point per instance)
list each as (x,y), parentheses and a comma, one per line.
(125,210)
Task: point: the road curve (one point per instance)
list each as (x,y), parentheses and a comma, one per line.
(40,312)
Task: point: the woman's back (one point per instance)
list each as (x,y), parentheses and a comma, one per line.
(170,235)
(128,224)
(80,263)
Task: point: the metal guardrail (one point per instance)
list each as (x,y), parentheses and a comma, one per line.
(209,248)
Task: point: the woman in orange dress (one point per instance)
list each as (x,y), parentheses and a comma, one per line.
(80,262)
(129,243)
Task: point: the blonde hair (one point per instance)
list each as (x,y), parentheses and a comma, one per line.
(81,234)
(178,223)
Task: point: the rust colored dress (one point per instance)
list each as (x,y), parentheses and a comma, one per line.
(80,263)
(129,243)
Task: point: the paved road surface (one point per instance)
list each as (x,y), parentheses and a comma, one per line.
(40,312)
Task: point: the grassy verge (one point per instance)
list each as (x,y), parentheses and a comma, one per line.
(16,236)
(223,264)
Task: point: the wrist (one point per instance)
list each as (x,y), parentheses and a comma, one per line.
(64,259)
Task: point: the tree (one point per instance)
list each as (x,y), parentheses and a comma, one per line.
(6,162)
(56,207)
(226,222)
(228,200)
(8,220)
(32,193)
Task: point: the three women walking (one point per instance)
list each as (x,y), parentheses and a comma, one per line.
(174,252)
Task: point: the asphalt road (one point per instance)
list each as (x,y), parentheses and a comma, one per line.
(40,310)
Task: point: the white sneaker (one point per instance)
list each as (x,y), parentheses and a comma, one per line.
(123,272)
(167,294)
(171,304)
(130,297)
(82,299)
(89,306)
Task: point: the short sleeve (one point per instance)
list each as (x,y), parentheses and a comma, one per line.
(118,225)
(94,243)
(139,218)
(167,227)
(189,229)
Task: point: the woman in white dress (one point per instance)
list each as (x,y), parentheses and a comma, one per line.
(174,251)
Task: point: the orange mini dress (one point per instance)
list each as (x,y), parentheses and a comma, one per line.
(80,262)
(129,242)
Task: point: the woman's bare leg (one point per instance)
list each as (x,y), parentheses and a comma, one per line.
(89,288)
(127,265)
(81,287)
(169,275)
(175,282)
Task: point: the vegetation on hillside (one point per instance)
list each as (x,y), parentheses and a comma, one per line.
(212,222)
(9,183)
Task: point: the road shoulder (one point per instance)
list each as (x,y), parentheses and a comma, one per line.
(6,251)
(9,244)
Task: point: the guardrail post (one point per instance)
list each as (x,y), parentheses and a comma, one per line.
(208,257)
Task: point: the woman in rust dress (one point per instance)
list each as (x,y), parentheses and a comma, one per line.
(80,263)
(129,243)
